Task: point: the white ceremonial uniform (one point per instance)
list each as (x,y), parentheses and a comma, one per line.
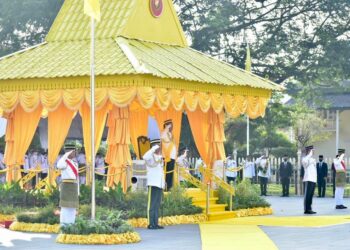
(81,159)
(310,178)
(100,164)
(249,170)
(309,165)
(183,163)
(68,214)
(231,165)
(44,164)
(26,165)
(155,170)
(263,163)
(339,166)
(2,167)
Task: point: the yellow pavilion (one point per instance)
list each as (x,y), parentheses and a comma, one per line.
(144,67)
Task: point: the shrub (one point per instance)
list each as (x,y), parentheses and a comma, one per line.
(44,215)
(246,196)
(177,203)
(111,223)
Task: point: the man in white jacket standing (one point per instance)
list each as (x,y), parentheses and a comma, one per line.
(340,179)
(155,182)
(263,173)
(310,179)
(69,187)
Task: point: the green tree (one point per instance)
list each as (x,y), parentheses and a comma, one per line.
(24,23)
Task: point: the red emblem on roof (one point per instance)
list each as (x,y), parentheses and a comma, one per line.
(156,7)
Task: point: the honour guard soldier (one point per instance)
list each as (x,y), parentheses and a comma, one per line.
(81,159)
(69,187)
(286,171)
(155,182)
(322,172)
(340,179)
(310,178)
(169,152)
(263,173)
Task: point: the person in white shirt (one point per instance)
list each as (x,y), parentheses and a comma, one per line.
(310,179)
(58,179)
(249,169)
(34,162)
(99,166)
(264,173)
(44,164)
(182,161)
(81,158)
(69,187)
(340,179)
(231,167)
(155,182)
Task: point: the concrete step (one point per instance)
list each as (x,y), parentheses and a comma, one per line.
(214,207)
(223,215)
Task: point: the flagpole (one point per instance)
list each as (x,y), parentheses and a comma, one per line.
(248,135)
(92,117)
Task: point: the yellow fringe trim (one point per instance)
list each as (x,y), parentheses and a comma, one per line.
(170,220)
(6,217)
(34,227)
(253,212)
(99,239)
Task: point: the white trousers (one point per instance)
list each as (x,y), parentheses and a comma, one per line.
(339,196)
(67,215)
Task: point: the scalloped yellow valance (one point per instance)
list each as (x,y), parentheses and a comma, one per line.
(147,97)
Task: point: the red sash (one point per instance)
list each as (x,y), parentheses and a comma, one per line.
(75,171)
(343,164)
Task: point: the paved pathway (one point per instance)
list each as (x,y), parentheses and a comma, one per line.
(185,237)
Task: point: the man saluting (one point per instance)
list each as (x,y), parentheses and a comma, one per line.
(69,187)
(310,178)
(155,182)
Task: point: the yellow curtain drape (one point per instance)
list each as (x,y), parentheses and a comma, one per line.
(9,159)
(100,121)
(19,134)
(176,117)
(215,137)
(138,127)
(118,140)
(59,122)
(199,127)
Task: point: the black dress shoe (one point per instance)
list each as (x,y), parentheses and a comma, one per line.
(159,227)
(309,212)
(151,227)
(341,207)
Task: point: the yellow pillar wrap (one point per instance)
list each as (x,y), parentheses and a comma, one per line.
(100,121)
(138,127)
(9,159)
(118,140)
(59,122)
(21,128)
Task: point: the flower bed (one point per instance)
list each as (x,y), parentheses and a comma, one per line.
(253,211)
(7,217)
(34,227)
(170,220)
(99,239)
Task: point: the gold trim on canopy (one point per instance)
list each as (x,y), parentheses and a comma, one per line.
(234,105)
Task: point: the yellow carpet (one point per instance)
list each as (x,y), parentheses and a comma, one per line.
(296,221)
(244,233)
(228,237)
